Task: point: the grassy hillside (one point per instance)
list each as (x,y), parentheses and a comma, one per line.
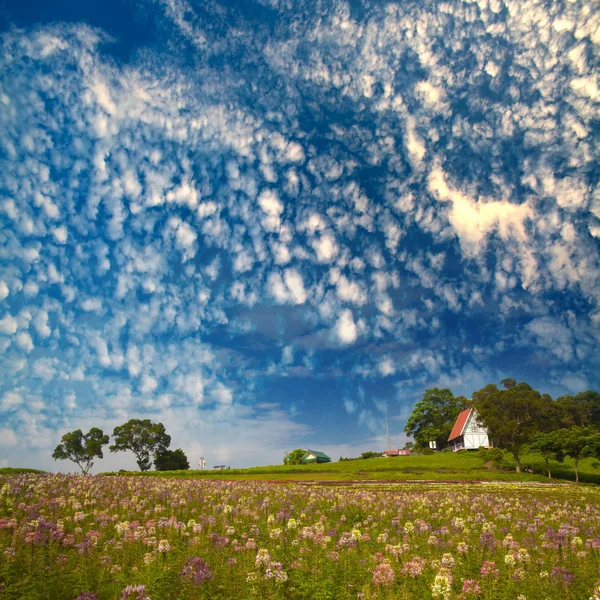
(467,466)
(17,470)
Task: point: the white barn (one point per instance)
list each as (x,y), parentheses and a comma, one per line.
(467,433)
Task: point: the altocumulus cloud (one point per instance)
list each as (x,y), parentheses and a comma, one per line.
(266,228)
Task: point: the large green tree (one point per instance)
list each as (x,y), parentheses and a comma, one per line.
(143,438)
(294,457)
(581,410)
(432,417)
(81,449)
(514,415)
(171,460)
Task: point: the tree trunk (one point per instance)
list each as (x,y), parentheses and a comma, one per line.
(548,467)
(576,472)
(517,463)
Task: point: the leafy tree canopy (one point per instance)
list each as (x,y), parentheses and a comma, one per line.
(143,438)
(432,417)
(580,410)
(171,460)
(578,443)
(514,415)
(81,449)
(294,457)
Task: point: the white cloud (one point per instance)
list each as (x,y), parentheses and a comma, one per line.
(4,291)
(24,342)
(10,401)
(345,328)
(8,439)
(8,325)
(325,247)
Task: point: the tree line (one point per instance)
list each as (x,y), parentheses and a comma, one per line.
(517,418)
(145,439)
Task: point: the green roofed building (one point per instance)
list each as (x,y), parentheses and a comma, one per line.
(314,456)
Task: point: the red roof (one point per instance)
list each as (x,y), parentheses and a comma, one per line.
(461,421)
(392,452)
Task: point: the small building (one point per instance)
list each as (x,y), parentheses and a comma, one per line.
(404,452)
(468,433)
(395,452)
(314,456)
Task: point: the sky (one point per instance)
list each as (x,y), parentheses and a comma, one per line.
(268,223)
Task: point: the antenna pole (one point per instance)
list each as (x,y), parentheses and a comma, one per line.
(387,431)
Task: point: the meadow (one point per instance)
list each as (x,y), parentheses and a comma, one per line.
(451,466)
(106,538)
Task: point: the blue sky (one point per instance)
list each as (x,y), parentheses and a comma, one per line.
(266,223)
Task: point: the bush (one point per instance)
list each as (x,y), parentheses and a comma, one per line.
(427,451)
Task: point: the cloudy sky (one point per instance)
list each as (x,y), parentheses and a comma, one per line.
(266,222)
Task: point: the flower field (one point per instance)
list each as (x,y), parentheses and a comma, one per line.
(102,538)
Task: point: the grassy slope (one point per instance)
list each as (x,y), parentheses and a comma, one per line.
(443,466)
(17,470)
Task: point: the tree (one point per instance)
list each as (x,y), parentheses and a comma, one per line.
(143,438)
(549,446)
(294,457)
(580,410)
(81,449)
(432,417)
(370,454)
(578,443)
(514,415)
(171,460)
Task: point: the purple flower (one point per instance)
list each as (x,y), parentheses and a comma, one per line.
(563,575)
(87,596)
(383,575)
(196,570)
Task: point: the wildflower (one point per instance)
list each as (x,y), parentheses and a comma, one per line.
(164,546)
(87,596)
(196,571)
(356,534)
(262,557)
(383,575)
(134,592)
(543,574)
(488,569)
(509,560)
(275,571)
(470,587)
(292,524)
(442,584)
(448,561)
(149,558)
(408,527)
(563,575)
(462,548)
(414,567)
(275,534)
(227,509)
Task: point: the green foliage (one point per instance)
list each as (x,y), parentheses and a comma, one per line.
(17,470)
(491,455)
(81,449)
(548,445)
(578,443)
(433,417)
(171,460)
(294,457)
(369,454)
(143,438)
(514,415)
(581,410)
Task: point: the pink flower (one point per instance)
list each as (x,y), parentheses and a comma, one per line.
(384,575)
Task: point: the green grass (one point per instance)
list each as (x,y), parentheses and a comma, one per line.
(462,466)
(17,470)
